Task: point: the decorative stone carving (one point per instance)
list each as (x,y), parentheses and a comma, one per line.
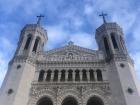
(81,92)
(71,53)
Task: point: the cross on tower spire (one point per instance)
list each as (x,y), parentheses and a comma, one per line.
(103,15)
(39,18)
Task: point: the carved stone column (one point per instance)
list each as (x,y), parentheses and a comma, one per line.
(59,75)
(95,75)
(36,76)
(73,77)
(88,75)
(52,76)
(80,73)
(45,76)
(66,78)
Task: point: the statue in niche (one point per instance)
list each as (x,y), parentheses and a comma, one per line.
(70,56)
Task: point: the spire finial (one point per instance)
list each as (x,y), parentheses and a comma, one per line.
(103,15)
(39,18)
(70,43)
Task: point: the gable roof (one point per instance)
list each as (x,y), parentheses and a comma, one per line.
(71,52)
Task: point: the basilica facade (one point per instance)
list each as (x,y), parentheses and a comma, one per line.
(71,75)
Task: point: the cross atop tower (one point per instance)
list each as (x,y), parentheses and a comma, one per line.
(103,15)
(39,18)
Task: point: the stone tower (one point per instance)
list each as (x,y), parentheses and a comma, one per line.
(121,76)
(17,83)
(70,75)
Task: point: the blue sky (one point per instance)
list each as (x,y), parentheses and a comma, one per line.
(66,20)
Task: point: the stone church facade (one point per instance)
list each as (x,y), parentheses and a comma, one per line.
(71,75)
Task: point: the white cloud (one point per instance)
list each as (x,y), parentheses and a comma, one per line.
(88,9)
(134,46)
(56,36)
(8,6)
(6,51)
(35,8)
(6,44)
(125,19)
(84,40)
(27,7)
(74,19)
(3,67)
(77,22)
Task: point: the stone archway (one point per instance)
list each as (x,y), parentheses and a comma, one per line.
(45,101)
(69,101)
(95,101)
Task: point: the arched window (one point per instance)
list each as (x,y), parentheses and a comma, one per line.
(28,42)
(48,78)
(106,46)
(36,44)
(92,78)
(41,75)
(99,75)
(114,41)
(70,75)
(69,101)
(55,75)
(122,42)
(45,101)
(77,75)
(95,101)
(62,75)
(84,75)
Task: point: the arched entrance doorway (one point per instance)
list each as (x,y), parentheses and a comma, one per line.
(95,101)
(45,101)
(69,101)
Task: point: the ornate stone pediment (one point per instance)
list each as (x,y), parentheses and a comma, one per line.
(71,52)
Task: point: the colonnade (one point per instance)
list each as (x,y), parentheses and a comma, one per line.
(70,75)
